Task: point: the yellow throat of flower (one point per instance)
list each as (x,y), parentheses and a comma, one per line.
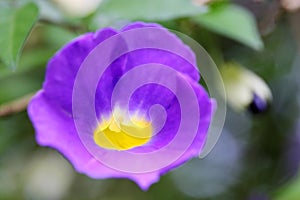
(121,133)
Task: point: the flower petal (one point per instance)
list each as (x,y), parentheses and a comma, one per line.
(146,55)
(62,135)
(63,67)
(55,121)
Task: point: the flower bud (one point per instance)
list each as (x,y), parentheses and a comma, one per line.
(77,8)
(244,89)
(291,5)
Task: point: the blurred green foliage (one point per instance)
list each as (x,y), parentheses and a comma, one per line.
(234,22)
(155,10)
(15,26)
(227,30)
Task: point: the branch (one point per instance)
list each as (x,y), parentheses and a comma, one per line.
(15,106)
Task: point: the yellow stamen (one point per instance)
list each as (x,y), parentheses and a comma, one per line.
(120,134)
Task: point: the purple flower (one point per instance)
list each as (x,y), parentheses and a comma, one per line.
(123,104)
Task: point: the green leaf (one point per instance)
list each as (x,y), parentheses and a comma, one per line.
(15,26)
(154,10)
(38,56)
(234,22)
(291,191)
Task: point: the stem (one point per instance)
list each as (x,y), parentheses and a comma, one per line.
(15,106)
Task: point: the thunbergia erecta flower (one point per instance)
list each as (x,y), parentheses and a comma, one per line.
(123,104)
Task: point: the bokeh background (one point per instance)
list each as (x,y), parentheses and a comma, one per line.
(257,156)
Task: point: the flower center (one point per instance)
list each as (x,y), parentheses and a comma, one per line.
(121,133)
